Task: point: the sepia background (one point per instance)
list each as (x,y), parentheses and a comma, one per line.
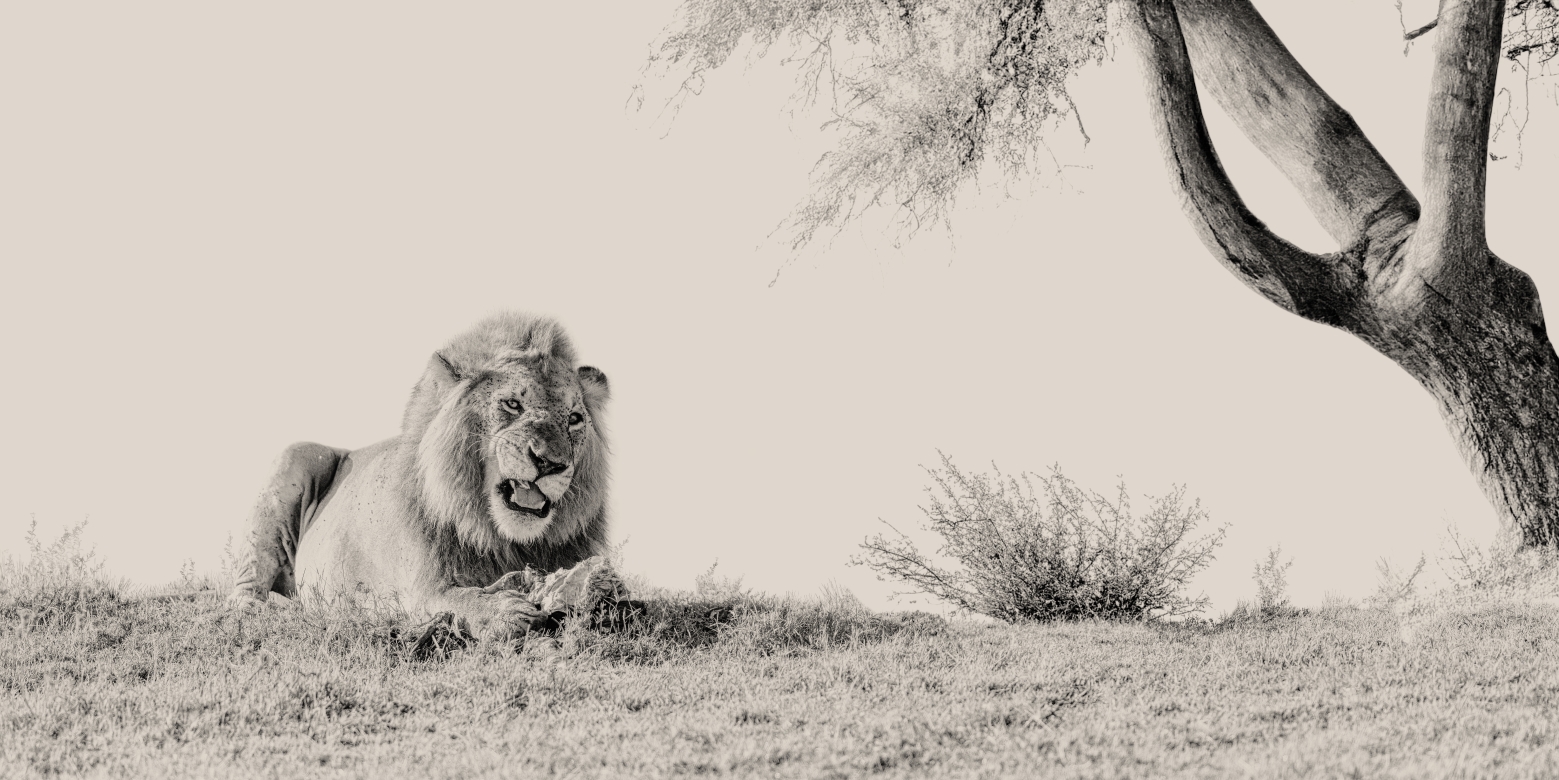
(227,228)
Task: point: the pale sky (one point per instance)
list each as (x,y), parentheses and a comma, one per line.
(226,228)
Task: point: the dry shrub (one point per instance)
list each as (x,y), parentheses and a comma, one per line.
(1505,566)
(1061,553)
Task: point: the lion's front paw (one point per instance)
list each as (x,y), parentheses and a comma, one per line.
(244,599)
(506,615)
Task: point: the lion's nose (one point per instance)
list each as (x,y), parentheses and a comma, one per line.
(544,467)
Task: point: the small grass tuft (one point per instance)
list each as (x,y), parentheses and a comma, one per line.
(1393,587)
(1271,576)
(1272,601)
(58,580)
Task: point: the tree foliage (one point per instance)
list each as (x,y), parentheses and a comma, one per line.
(924,91)
(1532,29)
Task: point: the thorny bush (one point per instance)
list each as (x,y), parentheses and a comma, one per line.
(1060,553)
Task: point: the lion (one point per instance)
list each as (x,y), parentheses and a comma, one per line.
(501,464)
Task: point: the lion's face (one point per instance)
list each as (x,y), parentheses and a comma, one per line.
(534,424)
(507,438)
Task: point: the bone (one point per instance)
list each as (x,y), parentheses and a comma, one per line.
(574,591)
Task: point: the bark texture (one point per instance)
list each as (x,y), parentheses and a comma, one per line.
(1418,284)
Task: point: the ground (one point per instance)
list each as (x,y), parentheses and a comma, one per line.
(100,683)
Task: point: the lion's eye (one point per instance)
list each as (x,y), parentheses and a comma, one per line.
(512,405)
(575,418)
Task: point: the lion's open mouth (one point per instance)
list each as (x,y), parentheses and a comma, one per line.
(524,497)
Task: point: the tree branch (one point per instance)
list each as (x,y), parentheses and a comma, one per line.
(1456,135)
(1408,36)
(1350,188)
(1321,288)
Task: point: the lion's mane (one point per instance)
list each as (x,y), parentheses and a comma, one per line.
(442,449)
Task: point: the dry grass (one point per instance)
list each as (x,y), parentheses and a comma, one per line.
(776,688)
(723,682)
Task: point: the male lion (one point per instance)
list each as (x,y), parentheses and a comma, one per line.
(500,464)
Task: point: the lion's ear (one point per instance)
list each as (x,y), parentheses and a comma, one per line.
(441,373)
(593,382)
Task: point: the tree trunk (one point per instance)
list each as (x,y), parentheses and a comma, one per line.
(1487,361)
(1418,285)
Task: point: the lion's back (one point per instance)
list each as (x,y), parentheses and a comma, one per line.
(364,535)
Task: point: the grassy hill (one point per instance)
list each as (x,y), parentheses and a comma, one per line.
(98,683)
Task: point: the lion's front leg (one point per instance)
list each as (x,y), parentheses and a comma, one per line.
(490,613)
(302,476)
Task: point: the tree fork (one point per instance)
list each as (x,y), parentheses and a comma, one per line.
(1343,179)
(1426,292)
